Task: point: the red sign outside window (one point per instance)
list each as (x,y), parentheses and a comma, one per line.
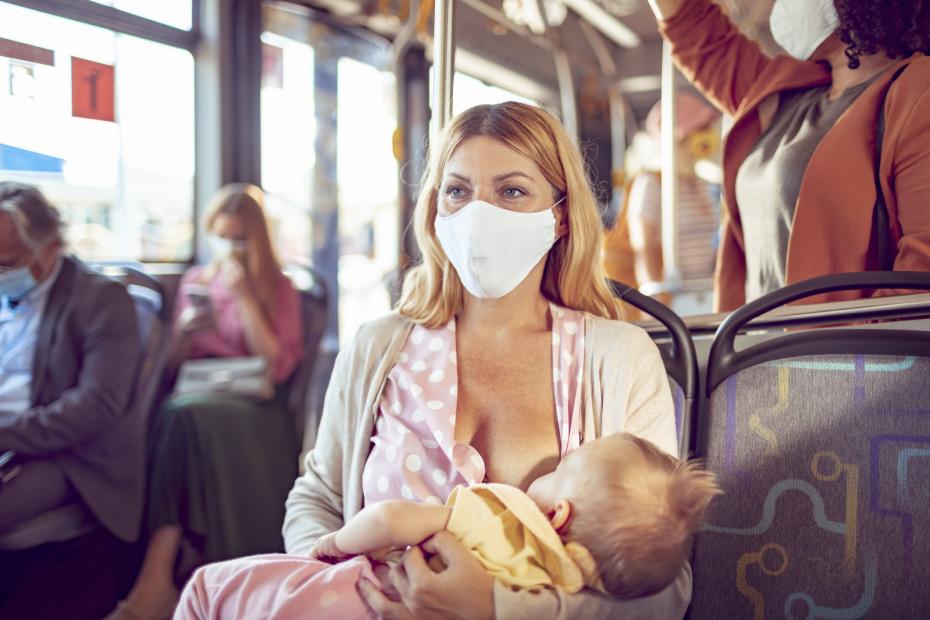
(92,90)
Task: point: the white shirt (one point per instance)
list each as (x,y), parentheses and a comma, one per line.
(19,334)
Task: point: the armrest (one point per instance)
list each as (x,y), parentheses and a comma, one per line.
(9,467)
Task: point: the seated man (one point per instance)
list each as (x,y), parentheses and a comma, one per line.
(69,352)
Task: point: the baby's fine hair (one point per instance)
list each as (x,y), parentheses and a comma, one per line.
(637,515)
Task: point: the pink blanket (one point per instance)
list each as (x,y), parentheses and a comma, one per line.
(278,586)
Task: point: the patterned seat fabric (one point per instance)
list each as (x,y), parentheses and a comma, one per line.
(678,397)
(825,465)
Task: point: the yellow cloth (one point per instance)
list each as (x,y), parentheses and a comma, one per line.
(514,541)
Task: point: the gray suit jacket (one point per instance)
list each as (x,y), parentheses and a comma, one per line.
(85,366)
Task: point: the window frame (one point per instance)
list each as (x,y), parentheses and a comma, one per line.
(117,20)
(124,22)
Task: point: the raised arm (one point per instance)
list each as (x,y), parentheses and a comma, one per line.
(718,59)
(664,9)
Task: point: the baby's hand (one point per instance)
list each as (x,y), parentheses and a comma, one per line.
(325,550)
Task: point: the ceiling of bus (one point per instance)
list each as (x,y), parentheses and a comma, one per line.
(483,30)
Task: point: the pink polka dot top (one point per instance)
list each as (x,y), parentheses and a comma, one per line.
(414,454)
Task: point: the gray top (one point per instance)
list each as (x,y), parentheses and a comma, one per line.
(625,388)
(769,181)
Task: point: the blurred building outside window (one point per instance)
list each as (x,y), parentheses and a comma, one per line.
(103,124)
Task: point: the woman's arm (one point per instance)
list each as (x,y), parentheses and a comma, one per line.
(463,591)
(186,321)
(331,484)
(314,506)
(259,334)
(722,62)
(670,603)
(650,411)
(392,523)
(911,189)
(289,329)
(665,9)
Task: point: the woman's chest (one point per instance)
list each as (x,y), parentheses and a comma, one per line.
(508,400)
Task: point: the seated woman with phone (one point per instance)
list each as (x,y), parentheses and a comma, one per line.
(224,448)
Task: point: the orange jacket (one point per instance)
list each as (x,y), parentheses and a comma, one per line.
(832,226)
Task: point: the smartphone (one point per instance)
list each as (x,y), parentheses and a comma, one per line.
(199,297)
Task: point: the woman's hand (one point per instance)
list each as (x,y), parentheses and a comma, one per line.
(235,278)
(463,590)
(193,320)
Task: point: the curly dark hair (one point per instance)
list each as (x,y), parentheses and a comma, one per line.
(897,27)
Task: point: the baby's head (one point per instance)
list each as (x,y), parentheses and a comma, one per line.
(632,506)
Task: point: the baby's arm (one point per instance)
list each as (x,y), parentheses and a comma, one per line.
(393,523)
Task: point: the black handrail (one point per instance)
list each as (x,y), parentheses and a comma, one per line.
(680,362)
(137,272)
(725,361)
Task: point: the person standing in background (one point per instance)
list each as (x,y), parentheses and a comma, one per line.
(800,160)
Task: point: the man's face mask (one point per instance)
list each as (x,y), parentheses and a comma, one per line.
(16,283)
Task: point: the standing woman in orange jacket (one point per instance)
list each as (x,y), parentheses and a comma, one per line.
(799,162)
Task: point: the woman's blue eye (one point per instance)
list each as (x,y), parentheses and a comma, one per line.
(455,192)
(514,192)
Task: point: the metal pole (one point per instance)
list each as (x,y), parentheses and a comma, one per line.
(669,174)
(563,71)
(411,72)
(443,62)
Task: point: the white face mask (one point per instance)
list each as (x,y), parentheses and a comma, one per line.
(801,26)
(493,249)
(222,248)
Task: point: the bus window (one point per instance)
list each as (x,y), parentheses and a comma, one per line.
(118,161)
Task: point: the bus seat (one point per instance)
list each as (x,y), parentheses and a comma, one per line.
(74,520)
(314,298)
(679,357)
(821,442)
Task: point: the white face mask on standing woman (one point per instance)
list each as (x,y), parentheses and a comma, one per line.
(494,249)
(801,26)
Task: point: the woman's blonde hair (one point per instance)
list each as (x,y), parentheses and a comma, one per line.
(245,202)
(573,278)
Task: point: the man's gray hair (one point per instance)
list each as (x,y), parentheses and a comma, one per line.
(37,222)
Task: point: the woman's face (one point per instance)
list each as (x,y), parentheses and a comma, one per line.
(483,168)
(230,228)
(230,238)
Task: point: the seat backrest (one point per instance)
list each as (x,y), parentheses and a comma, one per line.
(154,318)
(821,443)
(314,298)
(154,330)
(679,357)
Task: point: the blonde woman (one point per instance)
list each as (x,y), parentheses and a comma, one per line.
(221,465)
(505,354)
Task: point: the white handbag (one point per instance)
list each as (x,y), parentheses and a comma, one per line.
(242,376)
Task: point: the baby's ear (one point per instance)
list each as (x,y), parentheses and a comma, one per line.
(561,515)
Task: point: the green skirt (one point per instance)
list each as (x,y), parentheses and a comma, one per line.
(221,467)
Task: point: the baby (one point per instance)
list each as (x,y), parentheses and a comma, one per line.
(617,515)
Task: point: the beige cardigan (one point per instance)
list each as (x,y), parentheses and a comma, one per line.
(625,389)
